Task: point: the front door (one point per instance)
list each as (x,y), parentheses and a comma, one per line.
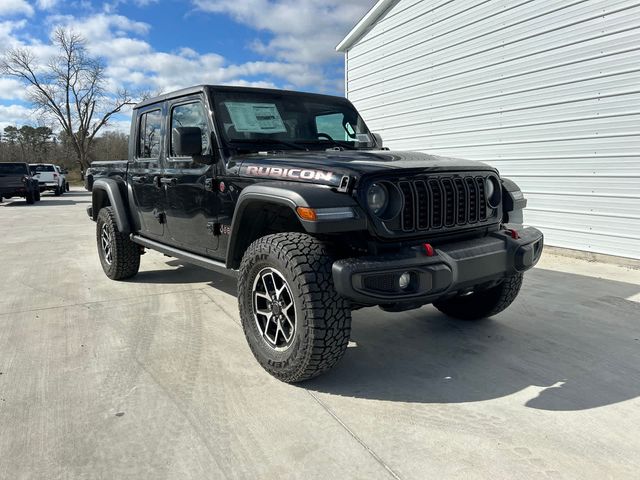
(145,171)
(191,203)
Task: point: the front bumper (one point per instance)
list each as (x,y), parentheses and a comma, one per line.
(454,268)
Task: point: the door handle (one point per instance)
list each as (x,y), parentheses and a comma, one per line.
(169,181)
(139,179)
(156,181)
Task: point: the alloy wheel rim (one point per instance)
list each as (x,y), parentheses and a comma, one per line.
(274,309)
(105,241)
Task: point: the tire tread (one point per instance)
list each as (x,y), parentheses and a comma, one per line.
(126,254)
(326,314)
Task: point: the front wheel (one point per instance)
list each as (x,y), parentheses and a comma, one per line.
(296,324)
(483,303)
(30,198)
(119,256)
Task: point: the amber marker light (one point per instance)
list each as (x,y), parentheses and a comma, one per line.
(307,213)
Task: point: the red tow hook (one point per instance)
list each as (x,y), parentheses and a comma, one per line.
(428,249)
(514,234)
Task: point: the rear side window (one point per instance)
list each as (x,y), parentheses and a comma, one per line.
(41,168)
(149,134)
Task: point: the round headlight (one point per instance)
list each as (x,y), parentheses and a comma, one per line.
(377,198)
(492,191)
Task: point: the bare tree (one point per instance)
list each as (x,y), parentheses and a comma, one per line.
(70,88)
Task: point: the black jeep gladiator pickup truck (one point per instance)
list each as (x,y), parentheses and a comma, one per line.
(16,181)
(293,194)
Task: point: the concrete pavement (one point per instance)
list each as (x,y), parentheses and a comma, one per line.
(152,378)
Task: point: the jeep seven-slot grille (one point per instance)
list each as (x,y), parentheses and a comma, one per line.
(442,202)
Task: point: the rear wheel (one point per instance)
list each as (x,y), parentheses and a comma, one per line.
(67,187)
(37,195)
(119,256)
(484,303)
(30,198)
(295,322)
(57,192)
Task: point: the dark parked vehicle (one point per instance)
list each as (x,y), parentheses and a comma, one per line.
(104,169)
(16,181)
(292,193)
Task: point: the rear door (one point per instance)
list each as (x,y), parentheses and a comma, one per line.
(145,170)
(191,203)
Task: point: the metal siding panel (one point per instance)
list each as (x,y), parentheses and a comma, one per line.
(548,92)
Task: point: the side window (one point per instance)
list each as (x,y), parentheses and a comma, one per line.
(190,115)
(331,124)
(149,134)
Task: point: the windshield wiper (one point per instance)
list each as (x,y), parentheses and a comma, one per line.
(335,142)
(270,141)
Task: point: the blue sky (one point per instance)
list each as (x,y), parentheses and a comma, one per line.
(161,45)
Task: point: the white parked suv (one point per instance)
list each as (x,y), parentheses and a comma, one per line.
(49,177)
(62,172)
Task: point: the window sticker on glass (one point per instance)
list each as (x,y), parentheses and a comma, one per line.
(255,117)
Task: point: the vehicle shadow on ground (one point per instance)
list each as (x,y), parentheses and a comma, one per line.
(571,341)
(45,201)
(186,273)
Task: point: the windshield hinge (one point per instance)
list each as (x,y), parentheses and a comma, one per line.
(345,184)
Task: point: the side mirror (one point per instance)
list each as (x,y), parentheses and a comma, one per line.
(186,141)
(378,138)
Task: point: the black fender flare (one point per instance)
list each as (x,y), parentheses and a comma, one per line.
(293,195)
(110,188)
(513,201)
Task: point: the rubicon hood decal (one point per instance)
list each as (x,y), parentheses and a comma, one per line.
(291,173)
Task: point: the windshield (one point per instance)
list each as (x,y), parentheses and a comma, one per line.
(41,168)
(13,169)
(255,121)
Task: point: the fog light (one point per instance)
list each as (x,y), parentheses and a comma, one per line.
(405,281)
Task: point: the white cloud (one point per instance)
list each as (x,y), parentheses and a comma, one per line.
(46,4)
(15,7)
(301,36)
(15,115)
(11,89)
(110,7)
(303,30)
(132,61)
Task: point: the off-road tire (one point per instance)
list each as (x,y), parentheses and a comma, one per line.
(484,303)
(37,195)
(125,261)
(57,192)
(30,198)
(323,318)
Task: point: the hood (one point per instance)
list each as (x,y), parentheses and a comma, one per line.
(328,167)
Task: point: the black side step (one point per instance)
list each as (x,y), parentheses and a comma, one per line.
(189,257)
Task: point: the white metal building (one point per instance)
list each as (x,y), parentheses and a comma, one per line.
(546,91)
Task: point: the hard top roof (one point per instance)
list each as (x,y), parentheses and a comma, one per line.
(227,88)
